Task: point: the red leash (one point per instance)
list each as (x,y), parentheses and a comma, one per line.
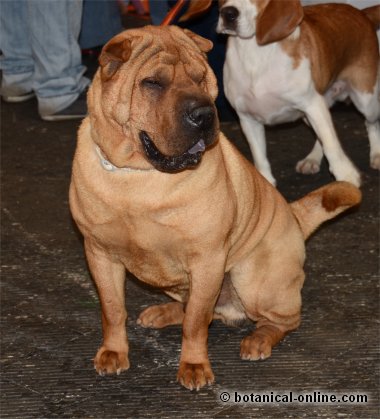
(173,13)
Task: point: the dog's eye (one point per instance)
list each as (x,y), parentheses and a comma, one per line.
(152,83)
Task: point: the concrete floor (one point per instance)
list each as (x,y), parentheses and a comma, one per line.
(50,322)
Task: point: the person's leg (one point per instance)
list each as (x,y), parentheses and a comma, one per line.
(101,21)
(54,30)
(16,61)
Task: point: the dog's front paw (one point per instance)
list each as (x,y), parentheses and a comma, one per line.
(348,174)
(110,362)
(375,161)
(195,376)
(308,166)
(255,347)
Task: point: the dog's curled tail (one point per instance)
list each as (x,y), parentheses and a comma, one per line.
(323,204)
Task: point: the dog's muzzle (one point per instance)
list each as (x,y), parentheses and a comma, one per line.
(229,15)
(160,161)
(196,127)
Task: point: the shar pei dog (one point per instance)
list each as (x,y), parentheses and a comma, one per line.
(157,190)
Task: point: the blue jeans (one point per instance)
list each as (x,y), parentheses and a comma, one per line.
(101,21)
(39,42)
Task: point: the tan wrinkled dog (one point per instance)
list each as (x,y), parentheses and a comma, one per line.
(158,190)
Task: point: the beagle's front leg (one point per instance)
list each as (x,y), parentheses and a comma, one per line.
(194,369)
(320,119)
(255,134)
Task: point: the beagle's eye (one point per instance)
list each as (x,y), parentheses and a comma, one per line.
(153,83)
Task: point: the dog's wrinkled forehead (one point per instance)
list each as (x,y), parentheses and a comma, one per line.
(134,53)
(175,54)
(136,47)
(140,49)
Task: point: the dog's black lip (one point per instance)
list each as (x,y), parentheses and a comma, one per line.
(165,163)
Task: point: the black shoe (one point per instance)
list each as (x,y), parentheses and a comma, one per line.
(77,110)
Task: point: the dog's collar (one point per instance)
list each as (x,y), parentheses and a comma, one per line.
(107,165)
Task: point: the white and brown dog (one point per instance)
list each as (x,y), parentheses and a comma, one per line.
(285,61)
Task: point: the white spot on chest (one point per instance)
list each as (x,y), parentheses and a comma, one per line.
(262,81)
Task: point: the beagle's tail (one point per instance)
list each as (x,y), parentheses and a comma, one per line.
(323,204)
(373,14)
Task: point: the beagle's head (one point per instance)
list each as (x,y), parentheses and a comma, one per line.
(268,20)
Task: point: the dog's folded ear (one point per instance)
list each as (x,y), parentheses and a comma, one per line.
(278,20)
(205,45)
(113,55)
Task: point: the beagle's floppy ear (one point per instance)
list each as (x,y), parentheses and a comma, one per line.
(205,45)
(278,20)
(113,55)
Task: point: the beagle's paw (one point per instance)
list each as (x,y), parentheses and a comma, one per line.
(195,376)
(308,166)
(110,362)
(375,161)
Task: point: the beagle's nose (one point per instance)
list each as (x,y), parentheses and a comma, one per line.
(229,15)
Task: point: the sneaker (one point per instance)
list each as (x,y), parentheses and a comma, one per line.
(77,110)
(18,98)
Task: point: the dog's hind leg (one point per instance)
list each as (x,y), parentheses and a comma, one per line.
(277,313)
(162,315)
(373,130)
(269,288)
(369,105)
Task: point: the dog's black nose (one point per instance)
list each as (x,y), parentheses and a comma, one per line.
(229,15)
(201,117)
